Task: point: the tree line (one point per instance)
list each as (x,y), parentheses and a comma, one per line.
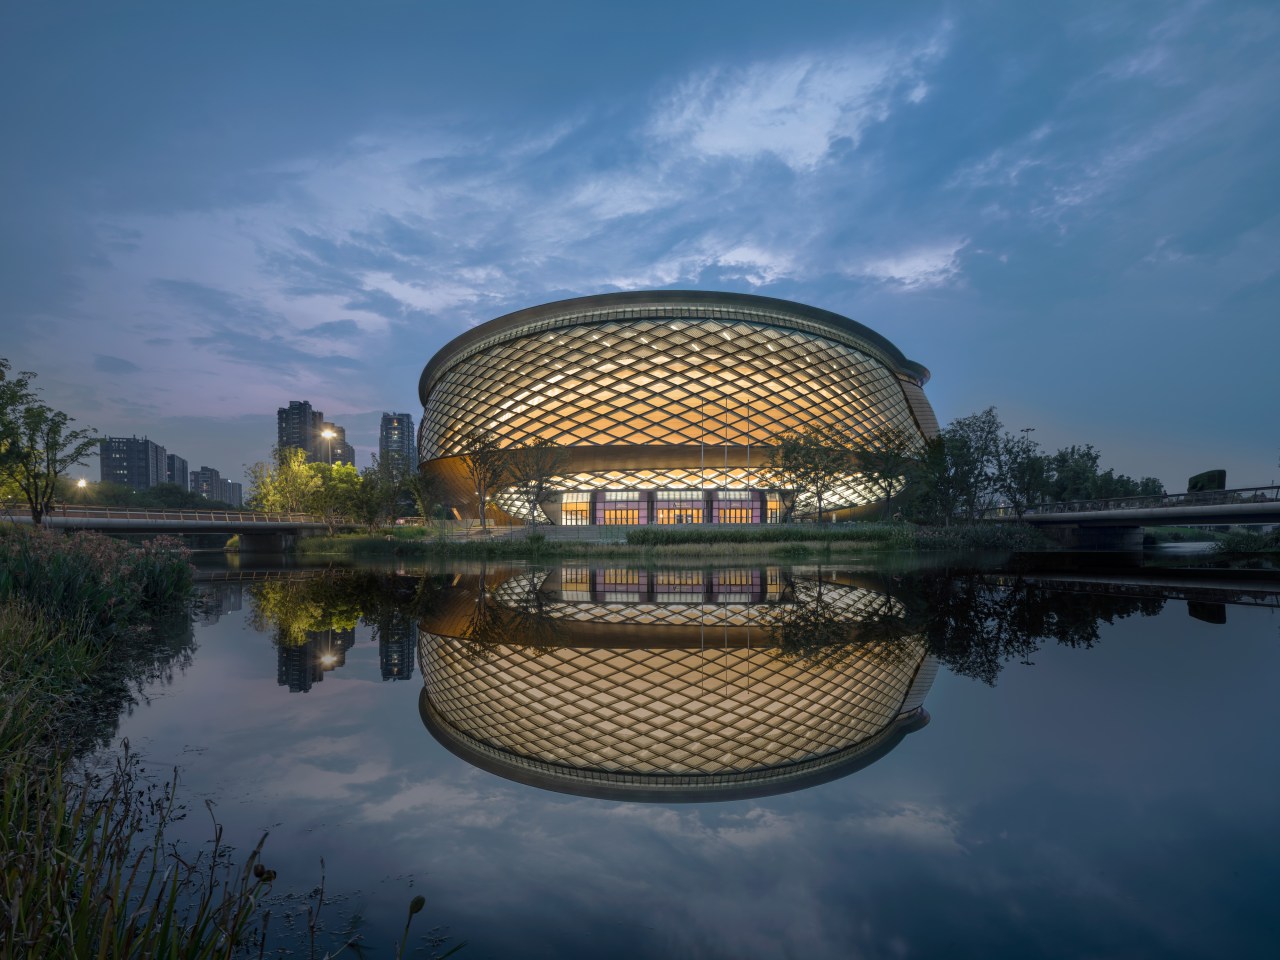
(973,464)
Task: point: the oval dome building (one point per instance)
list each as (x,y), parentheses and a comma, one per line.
(663,406)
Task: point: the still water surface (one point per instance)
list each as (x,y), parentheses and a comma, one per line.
(752,762)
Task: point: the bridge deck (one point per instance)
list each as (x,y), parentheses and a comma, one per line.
(132,520)
(1247,505)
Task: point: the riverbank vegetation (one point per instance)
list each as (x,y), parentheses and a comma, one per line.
(84,867)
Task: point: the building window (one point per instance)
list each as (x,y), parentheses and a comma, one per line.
(689,496)
(620,576)
(679,515)
(576,514)
(614,516)
(735,515)
(733,495)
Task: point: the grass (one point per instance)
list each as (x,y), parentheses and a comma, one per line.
(767,540)
(85,867)
(1248,541)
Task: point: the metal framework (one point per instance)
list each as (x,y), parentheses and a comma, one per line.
(663,685)
(664,390)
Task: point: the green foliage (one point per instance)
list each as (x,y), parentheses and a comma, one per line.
(285,484)
(1021,473)
(90,582)
(333,493)
(374,500)
(295,608)
(88,873)
(889,535)
(37,445)
(974,464)
(1248,541)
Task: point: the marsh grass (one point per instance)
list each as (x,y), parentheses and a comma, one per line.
(86,868)
(1249,541)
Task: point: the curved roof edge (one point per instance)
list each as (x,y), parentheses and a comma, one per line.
(669,788)
(509,323)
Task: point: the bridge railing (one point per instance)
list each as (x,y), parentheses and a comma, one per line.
(1204,498)
(206,516)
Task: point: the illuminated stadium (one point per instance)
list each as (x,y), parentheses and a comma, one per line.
(669,685)
(665,404)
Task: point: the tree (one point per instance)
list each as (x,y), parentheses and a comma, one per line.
(1074,475)
(531,467)
(427,493)
(374,499)
(486,464)
(334,494)
(36,444)
(883,458)
(935,483)
(1021,475)
(972,444)
(1073,471)
(813,461)
(285,485)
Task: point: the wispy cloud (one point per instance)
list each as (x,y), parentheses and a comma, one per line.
(793,109)
(927,266)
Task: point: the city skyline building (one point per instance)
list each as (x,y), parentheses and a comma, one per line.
(666,405)
(298,425)
(334,449)
(177,471)
(138,463)
(397,442)
(211,485)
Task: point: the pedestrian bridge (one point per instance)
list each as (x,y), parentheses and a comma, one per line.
(1117,524)
(1211,507)
(257,527)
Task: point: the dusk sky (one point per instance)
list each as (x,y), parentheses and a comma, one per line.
(1068,211)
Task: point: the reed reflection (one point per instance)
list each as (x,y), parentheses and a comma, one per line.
(669,685)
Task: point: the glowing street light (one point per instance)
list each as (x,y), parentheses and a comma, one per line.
(328,436)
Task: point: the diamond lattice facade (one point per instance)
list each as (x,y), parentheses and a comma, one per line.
(667,685)
(666,403)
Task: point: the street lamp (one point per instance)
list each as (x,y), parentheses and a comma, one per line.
(328,436)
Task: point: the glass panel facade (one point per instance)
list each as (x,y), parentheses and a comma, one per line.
(667,515)
(718,381)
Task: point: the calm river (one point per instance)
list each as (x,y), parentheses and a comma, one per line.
(758,761)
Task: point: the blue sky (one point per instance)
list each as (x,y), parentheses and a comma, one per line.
(1068,211)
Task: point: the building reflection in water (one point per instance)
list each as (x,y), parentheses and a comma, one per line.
(669,685)
(299,665)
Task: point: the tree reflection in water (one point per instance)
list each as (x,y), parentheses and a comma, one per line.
(973,622)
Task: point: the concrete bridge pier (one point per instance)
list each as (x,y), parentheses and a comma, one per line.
(1086,538)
